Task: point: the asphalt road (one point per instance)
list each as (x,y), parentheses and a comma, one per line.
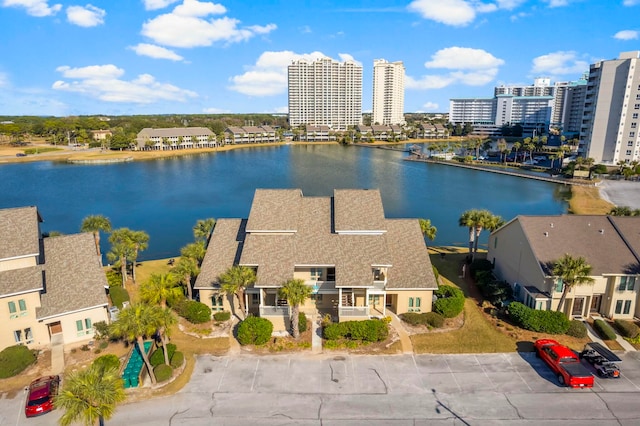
(488,389)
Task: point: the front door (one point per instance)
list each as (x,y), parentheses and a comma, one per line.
(55,328)
(596,301)
(578,304)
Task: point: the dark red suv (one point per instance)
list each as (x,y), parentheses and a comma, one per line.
(41,394)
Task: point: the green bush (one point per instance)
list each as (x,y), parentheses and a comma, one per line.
(193,311)
(551,322)
(432,319)
(157,357)
(107,362)
(222,316)
(102,330)
(373,330)
(114,278)
(177,359)
(14,359)
(480,265)
(604,329)
(627,328)
(450,301)
(577,329)
(163,372)
(254,331)
(118,295)
(412,318)
(302,322)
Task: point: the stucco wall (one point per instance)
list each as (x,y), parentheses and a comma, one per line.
(402,300)
(21,321)
(23,262)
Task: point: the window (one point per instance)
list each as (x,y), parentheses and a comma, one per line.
(631,283)
(83,327)
(417,309)
(632,134)
(630,143)
(619,306)
(255,298)
(22,305)
(316,274)
(559,285)
(411,304)
(628,152)
(635,115)
(627,307)
(495,242)
(17,335)
(623,284)
(636,106)
(216,302)
(28,336)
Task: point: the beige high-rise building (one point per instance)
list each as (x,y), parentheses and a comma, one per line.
(388,92)
(610,133)
(325,92)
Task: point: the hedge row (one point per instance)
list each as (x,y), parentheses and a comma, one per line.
(14,359)
(551,322)
(193,311)
(627,328)
(431,319)
(177,359)
(162,372)
(604,329)
(449,302)
(577,329)
(373,330)
(222,316)
(254,331)
(157,357)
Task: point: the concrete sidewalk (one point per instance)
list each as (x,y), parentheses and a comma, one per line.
(628,347)
(405,340)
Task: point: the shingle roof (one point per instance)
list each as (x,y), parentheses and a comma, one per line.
(592,237)
(358,210)
(74,279)
(410,257)
(21,280)
(225,242)
(175,131)
(19,232)
(274,210)
(629,228)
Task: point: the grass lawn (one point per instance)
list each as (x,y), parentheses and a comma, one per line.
(586,200)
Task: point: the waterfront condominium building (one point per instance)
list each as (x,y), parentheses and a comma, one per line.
(540,87)
(610,131)
(568,104)
(388,92)
(325,92)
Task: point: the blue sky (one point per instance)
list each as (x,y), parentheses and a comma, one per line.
(189,56)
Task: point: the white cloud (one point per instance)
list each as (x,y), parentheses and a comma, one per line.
(213,110)
(186,26)
(268,76)
(430,106)
(630,2)
(103,82)
(558,3)
(473,67)
(37,8)
(4,80)
(157,4)
(281,110)
(626,35)
(305,29)
(156,52)
(87,16)
(558,63)
(449,12)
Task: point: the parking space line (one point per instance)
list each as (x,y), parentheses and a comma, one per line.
(629,380)
(255,374)
(517,372)
(224,372)
(452,374)
(493,385)
(415,364)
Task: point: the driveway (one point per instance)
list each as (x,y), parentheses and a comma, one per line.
(487,389)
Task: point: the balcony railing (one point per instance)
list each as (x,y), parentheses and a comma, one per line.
(266,311)
(353,311)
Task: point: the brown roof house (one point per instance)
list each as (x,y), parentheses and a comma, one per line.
(525,250)
(358,263)
(52,290)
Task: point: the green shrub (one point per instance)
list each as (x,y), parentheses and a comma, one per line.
(107,362)
(14,359)
(412,318)
(604,329)
(118,295)
(302,322)
(496,292)
(193,311)
(102,330)
(577,329)
(551,322)
(373,330)
(163,372)
(450,301)
(177,359)
(114,278)
(157,357)
(480,265)
(254,331)
(627,328)
(222,316)
(434,319)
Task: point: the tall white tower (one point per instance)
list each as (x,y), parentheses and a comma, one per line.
(325,92)
(388,92)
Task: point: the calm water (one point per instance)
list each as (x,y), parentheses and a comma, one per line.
(166,197)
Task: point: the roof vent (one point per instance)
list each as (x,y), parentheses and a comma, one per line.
(602,231)
(546,234)
(552,224)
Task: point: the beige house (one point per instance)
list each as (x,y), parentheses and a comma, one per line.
(358,263)
(175,138)
(525,249)
(52,290)
(250,134)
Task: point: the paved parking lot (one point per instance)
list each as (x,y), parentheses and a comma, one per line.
(487,389)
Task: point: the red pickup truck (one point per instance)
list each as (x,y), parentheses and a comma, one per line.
(565,363)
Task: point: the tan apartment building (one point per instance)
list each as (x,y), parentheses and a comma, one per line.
(358,263)
(52,290)
(525,249)
(175,138)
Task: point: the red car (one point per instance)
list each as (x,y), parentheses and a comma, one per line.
(41,394)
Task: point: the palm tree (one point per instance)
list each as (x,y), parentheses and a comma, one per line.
(296,292)
(121,250)
(427,229)
(203,228)
(140,242)
(572,271)
(166,320)
(516,147)
(620,211)
(502,146)
(185,269)
(195,251)
(469,219)
(90,395)
(134,324)
(490,222)
(235,280)
(160,288)
(95,224)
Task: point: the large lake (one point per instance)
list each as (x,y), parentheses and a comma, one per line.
(166,197)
